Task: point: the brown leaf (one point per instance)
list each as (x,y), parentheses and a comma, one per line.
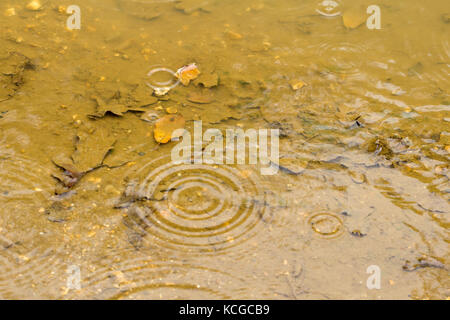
(208,80)
(91,149)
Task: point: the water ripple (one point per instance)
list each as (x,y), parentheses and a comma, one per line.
(197,207)
(149,278)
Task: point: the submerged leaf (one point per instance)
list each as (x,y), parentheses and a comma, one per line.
(208,80)
(190,6)
(12,69)
(416,69)
(201,98)
(91,150)
(116,108)
(146,10)
(69,175)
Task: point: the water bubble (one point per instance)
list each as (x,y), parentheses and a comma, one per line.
(326,225)
(329,8)
(162,87)
(341,57)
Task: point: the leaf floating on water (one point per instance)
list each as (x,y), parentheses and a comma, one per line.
(187,73)
(165,126)
(353,18)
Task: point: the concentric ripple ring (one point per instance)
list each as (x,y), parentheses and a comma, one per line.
(199,207)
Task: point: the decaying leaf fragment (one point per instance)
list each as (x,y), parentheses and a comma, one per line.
(165,126)
(12,70)
(103,108)
(92,149)
(146,10)
(208,80)
(190,6)
(90,153)
(115,107)
(200,97)
(69,175)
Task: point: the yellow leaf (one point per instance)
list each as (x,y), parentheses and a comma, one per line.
(353,18)
(187,73)
(166,125)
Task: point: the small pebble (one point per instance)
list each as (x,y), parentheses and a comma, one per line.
(296,85)
(233,35)
(171,110)
(10,12)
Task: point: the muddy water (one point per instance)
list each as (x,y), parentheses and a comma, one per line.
(363,116)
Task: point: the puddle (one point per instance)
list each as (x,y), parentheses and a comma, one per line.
(362,179)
